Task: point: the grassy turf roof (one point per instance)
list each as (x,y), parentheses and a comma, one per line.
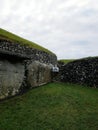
(17,39)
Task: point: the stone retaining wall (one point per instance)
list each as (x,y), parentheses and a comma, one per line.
(83,71)
(7,47)
(23,68)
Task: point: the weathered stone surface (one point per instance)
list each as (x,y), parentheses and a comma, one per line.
(14,76)
(11,78)
(83,71)
(38,74)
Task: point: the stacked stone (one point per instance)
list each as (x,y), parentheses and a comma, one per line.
(7,47)
(84,71)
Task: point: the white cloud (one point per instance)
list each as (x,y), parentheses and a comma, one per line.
(67,27)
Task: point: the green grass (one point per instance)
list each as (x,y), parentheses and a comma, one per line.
(66,60)
(55,106)
(16,39)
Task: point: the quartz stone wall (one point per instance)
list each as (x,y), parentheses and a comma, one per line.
(83,71)
(16,49)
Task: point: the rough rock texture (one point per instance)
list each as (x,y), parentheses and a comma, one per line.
(16,49)
(23,67)
(83,71)
(38,74)
(11,78)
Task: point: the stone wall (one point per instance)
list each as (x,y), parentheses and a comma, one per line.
(83,71)
(16,49)
(23,68)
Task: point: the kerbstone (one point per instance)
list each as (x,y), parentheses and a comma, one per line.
(11,78)
(38,74)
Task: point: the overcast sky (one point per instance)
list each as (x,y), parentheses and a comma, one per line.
(69,28)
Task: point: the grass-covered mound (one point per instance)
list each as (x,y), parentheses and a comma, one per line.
(55,106)
(16,39)
(65,61)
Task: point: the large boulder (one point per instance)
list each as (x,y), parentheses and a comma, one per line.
(38,74)
(11,78)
